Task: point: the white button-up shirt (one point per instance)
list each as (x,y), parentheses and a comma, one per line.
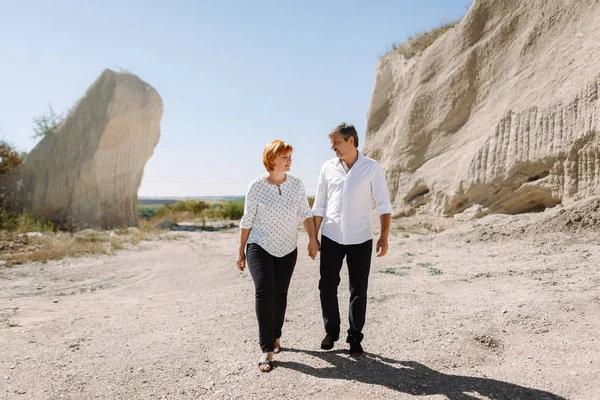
(344,199)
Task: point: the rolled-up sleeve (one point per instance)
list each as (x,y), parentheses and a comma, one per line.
(380,191)
(318,209)
(303,208)
(250,207)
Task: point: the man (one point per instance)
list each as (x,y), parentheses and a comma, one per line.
(346,186)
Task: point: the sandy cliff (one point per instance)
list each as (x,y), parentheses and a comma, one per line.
(87,173)
(501,112)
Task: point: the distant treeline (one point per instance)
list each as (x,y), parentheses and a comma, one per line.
(162,200)
(179,210)
(226,208)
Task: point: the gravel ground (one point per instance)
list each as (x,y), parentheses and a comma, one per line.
(468,313)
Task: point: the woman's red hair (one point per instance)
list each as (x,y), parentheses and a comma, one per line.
(272,150)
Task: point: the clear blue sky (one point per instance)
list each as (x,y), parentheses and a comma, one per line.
(233,75)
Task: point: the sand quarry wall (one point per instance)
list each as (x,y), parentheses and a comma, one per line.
(499,114)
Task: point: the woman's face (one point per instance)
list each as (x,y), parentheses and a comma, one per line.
(283,162)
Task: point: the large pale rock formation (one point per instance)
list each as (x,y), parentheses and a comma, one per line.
(500,113)
(88,171)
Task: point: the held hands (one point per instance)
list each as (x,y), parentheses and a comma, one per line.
(382,247)
(313,248)
(241,261)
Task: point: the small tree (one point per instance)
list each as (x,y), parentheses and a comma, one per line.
(9,158)
(46,123)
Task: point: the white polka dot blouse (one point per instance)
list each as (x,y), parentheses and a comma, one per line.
(273,213)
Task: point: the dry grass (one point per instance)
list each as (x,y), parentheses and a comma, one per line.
(59,245)
(419,42)
(20,248)
(173,216)
(24,238)
(23,222)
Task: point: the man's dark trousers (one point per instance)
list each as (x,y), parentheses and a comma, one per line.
(358,258)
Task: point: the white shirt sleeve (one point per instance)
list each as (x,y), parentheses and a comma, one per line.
(250,207)
(380,191)
(303,209)
(321,195)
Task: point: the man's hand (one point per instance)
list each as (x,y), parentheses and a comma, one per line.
(382,243)
(241,261)
(382,247)
(313,248)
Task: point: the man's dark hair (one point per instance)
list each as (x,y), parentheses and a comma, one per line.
(347,131)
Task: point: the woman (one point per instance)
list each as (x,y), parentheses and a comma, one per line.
(275,203)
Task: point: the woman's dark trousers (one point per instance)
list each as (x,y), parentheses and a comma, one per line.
(271,276)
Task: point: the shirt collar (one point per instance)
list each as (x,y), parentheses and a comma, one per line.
(343,165)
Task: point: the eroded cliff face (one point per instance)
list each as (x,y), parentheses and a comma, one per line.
(501,111)
(86,173)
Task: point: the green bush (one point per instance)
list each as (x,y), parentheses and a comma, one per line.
(23,222)
(232,210)
(187,205)
(146,212)
(213,212)
(192,209)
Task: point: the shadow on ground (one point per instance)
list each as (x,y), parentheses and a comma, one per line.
(411,377)
(190,227)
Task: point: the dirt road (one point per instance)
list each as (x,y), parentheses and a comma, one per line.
(450,316)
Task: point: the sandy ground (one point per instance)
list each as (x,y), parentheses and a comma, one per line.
(474,312)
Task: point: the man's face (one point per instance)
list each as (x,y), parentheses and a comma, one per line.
(340,146)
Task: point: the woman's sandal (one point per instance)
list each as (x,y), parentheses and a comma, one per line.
(277,349)
(265,366)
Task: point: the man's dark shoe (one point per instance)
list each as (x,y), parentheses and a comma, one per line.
(327,343)
(356,349)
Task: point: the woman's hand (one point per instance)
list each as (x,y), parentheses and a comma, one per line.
(241,261)
(313,248)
